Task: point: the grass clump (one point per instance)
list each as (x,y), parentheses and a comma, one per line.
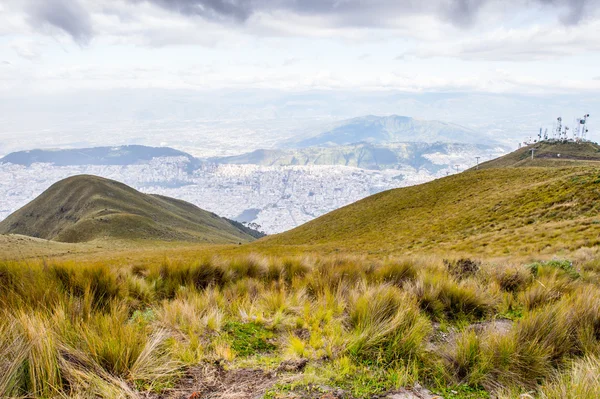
(386,325)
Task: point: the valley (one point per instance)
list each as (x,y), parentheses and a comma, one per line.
(287,186)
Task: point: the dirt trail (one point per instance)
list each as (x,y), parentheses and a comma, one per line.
(214,382)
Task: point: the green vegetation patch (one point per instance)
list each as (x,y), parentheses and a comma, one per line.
(564,265)
(248,339)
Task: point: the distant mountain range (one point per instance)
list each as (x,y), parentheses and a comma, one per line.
(121,155)
(364,155)
(393,129)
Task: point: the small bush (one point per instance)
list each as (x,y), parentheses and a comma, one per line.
(512,279)
(537,268)
(462,268)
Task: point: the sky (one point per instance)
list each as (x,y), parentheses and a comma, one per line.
(504,46)
(504,55)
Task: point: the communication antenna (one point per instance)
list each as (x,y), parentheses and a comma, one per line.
(546,134)
(456,167)
(558,131)
(582,126)
(540,135)
(477,167)
(566,133)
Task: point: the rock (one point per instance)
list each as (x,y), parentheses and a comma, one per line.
(292,366)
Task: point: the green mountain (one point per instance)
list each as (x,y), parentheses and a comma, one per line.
(85,208)
(495,210)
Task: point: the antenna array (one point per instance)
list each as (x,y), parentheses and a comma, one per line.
(560,132)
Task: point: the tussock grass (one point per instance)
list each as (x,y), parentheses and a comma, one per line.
(99,330)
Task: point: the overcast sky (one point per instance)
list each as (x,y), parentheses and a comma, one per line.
(504,46)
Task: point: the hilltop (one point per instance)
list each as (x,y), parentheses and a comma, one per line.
(84,208)
(492,211)
(549,154)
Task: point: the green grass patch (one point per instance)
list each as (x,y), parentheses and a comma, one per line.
(248,339)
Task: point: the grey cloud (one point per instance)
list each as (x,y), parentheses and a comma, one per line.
(576,10)
(67,15)
(237,10)
(363,13)
(73,16)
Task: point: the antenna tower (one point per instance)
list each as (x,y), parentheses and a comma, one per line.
(582,126)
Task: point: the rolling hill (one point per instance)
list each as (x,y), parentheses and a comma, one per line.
(84,208)
(494,211)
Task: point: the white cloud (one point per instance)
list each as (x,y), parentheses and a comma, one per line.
(498,46)
(536,42)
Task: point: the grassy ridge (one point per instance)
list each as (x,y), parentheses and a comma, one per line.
(85,208)
(547,154)
(365,326)
(494,212)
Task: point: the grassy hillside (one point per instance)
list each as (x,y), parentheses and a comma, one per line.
(84,208)
(493,211)
(547,154)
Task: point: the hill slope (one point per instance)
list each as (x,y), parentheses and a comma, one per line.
(494,211)
(84,208)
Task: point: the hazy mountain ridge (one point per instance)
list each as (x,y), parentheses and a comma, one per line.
(119,155)
(392,129)
(366,156)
